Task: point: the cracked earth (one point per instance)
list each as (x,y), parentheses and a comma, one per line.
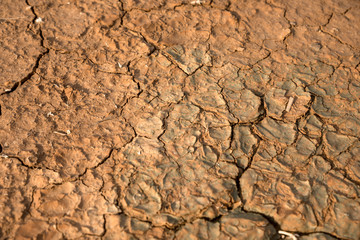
(180,119)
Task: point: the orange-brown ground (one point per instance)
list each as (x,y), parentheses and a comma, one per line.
(179,119)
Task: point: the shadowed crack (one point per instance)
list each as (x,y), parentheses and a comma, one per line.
(28,77)
(332,35)
(37,62)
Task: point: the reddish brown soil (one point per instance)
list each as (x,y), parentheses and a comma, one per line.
(180,119)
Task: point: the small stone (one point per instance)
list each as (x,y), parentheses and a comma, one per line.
(38,20)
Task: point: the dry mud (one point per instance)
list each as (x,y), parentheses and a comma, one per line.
(179,119)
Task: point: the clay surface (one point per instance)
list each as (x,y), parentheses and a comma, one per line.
(180,119)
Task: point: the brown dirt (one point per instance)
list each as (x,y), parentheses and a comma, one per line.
(137,119)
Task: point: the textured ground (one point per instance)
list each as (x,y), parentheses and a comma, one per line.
(140,119)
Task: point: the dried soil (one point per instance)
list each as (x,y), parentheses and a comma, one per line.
(179,119)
